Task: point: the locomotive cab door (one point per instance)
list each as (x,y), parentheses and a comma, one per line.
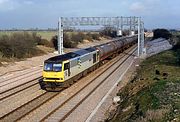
(98,55)
(67,72)
(94,58)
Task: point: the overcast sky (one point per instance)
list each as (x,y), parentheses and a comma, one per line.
(45,13)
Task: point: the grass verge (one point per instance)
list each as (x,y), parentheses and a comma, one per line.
(154,93)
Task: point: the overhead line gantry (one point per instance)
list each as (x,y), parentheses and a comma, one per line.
(134,23)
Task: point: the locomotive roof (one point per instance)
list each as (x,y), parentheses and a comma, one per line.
(70,55)
(91,49)
(60,58)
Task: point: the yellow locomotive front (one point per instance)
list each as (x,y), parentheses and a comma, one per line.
(53,72)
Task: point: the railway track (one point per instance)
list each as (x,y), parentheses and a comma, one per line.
(56,114)
(18,78)
(19,84)
(25,111)
(22,73)
(12,91)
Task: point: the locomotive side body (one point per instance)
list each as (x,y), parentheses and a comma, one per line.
(80,63)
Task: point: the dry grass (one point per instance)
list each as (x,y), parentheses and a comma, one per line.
(47,34)
(44,34)
(46,49)
(153,115)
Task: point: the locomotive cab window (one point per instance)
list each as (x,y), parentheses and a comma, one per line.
(52,67)
(48,67)
(57,67)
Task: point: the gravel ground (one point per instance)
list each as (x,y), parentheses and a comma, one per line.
(18,100)
(108,108)
(23,76)
(19,82)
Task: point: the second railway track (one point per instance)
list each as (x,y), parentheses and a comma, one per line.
(22,73)
(23,110)
(14,90)
(19,78)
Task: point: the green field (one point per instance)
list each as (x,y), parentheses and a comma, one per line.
(44,34)
(153,95)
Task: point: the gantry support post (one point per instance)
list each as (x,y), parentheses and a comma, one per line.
(60,37)
(139,35)
(142,38)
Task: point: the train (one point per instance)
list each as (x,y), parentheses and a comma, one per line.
(63,70)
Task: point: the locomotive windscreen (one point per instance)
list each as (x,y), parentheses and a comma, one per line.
(53,67)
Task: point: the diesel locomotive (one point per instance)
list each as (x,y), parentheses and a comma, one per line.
(63,70)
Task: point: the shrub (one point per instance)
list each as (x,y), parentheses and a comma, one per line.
(109,31)
(54,41)
(76,38)
(41,41)
(5,47)
(88,37)
(176,41)
(81,36)
(45,42)
(161,33)
(95,36)
(18,45)
(67,42)
(71,42)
